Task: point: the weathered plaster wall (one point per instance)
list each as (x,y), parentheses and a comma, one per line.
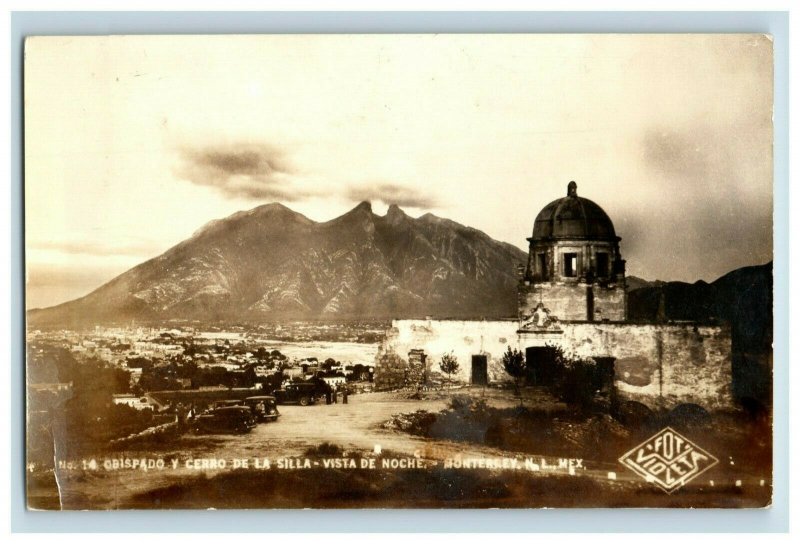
(568,300)
(658,365)
(609,303)
(463,338)
(662,364)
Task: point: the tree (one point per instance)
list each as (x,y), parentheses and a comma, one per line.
(449,364)
(514,364)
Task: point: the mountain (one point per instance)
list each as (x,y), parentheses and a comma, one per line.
(634,282)
(271,262)
(743,296)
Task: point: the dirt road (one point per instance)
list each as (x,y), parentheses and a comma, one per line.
(355,427)
(352,426)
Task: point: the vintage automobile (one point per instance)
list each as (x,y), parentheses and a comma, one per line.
(298,393)
(264,407)
(359,372)
(226,419)
(224,403)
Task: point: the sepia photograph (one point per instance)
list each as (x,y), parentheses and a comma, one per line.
(349,271)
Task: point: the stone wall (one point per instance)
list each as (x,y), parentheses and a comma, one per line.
(568,300)
(391,369)
(610,303)
(659,365)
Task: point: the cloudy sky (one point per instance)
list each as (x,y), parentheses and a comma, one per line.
(133,143)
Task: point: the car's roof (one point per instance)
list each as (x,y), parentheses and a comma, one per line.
(231,409)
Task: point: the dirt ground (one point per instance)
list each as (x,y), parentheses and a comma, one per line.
(353,427)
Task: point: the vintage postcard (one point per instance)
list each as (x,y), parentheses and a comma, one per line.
(399,271)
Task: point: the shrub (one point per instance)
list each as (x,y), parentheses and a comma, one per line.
(460,403)
(515,366)
(575,380)
(326,449)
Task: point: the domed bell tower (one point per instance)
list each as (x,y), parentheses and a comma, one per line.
(575,271)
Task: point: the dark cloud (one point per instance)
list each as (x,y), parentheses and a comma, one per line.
(715,212)
(251,171)
(264,172)
(391,193)
(689,250)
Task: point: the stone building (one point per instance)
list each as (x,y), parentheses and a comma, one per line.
(572,295)
(574,263)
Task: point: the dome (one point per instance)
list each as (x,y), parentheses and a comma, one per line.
(573,217)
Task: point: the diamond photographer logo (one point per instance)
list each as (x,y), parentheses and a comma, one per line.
(668,460)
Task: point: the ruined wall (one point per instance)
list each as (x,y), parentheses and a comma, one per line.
(660,365)
(609,303)
(391,369)
(568,300)
(438,337)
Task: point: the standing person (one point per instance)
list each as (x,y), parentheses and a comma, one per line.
(180,415)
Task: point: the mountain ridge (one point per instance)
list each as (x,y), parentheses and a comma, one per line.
(271,261)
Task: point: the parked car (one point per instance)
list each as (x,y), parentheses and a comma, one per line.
(224,403)
(227,419)
(264,407)
(297,393)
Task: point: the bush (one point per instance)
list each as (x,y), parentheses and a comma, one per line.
(418,423)
(326,449)
(464,404)
(576,379)
(460,403)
